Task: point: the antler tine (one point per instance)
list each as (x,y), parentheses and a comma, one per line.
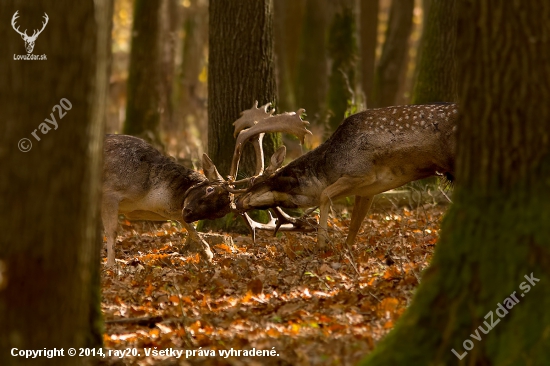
(286,122)
(13,19)
(46,18)
(281,224)
(252,116)
(249,118)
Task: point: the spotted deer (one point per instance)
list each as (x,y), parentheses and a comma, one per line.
(142,184)
(371,152)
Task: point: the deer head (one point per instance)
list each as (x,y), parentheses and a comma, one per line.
(251,126)
(209,199)
(29,40)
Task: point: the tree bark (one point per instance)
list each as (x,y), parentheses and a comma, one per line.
(143,112)
(50,242)
(240,71)
(496,233)
(288,28)
(392,64)
(369,39)
(311,80)
(436,69)
(343,53)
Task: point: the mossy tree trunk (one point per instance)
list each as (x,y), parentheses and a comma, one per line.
(491,265)
(342,49)
(50,243)
(143,107)
(240,71)
(436,68)
(391,67)
(369,39)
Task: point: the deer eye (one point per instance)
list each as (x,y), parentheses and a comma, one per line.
(209,190)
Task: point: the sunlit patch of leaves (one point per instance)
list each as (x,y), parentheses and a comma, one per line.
(314,308)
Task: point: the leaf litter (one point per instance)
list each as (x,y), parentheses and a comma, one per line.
(278,294)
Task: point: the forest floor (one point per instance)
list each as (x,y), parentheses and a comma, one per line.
(275,298)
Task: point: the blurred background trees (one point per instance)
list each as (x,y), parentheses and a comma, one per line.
(332,58)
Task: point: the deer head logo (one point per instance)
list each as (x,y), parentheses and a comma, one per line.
(29,40)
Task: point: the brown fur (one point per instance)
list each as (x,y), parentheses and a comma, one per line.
(371,152)
(142,184)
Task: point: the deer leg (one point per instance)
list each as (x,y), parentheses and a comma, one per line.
(341,187)
(194,237)
(360,209)
(344,186)
(109,216)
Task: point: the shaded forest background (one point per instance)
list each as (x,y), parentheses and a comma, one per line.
(332,58)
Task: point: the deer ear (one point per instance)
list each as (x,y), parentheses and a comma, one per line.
(278,157)
(210,170)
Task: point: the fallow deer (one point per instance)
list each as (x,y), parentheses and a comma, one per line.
(142,184)
(371,152)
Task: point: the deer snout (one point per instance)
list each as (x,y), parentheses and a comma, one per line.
(187,214)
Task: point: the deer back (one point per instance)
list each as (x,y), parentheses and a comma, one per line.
(144,180)
(390,146)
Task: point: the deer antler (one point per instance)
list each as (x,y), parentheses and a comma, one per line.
(283,222)
(249,118)
(36,33)
(286,122)
(13,19)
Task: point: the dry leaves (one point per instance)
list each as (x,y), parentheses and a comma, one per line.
(313,308)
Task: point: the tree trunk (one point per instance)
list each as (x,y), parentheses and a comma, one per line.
(436,69)
(288,24)
(144,78)
(392,64)
(168,36)
(495,237)
(240,71)
(311,80)
(50,242)
(343,53)
(369,39)
(190,108)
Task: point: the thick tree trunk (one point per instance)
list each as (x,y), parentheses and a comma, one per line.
(143,112)
(392,64)
(240,71)
(436,70)
(491,265)
(369,39)
(50,242)
(343,53)
(311,80)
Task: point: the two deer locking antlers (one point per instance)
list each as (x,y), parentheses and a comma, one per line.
(371,152)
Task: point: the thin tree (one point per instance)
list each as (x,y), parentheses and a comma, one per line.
(50,194)
(240,71)
(143,107)
(342,49)
(436,69)
(484,300)
(311,79)
(391,66)
(368,27)
(288,21)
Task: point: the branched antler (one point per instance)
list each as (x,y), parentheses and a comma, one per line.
(286,122)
